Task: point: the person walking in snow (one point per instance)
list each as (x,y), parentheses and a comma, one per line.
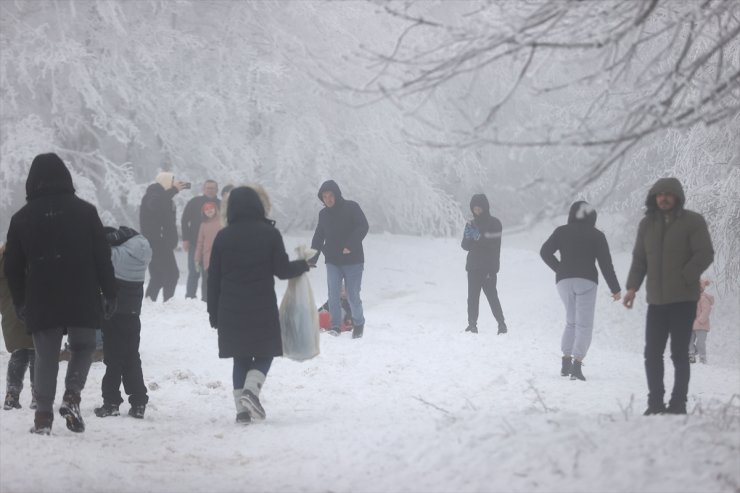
(482,241)
(581,246)
(209,228)
(242,304)
(157,218)
(339,233)
(673,248)
(192,217)
(18,343)
(57,262)
(699,335)
(131,254)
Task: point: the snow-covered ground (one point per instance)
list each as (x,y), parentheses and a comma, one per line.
(416,405)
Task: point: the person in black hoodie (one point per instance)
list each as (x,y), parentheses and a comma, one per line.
(342,227)
(57,262)
(159,226)
(482,241)
(242,304)
(581,245)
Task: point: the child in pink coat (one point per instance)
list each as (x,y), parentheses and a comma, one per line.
(701,324)
(209,227)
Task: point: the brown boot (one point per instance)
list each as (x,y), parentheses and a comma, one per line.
(70,410)
(42,423)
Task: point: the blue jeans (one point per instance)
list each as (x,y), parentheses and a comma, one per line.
(352,276)
(243,364)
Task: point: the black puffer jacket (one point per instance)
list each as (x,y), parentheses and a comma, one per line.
(157,217)
(57,259)
(342,226)
(246,256)
(485,252)
(581,245)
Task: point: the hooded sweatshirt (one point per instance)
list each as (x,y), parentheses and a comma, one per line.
(483,253)
(672,249)
(341,226)
(57,259)
(581,245)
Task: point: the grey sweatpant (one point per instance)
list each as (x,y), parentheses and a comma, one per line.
(579,298)
(47,343)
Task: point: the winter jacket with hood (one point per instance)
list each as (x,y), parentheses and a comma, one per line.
(131,255)
(57,260)
(157,216)
(485,252)
(581,245)
(207,232)
(246,256)
(341,226)
(672,249)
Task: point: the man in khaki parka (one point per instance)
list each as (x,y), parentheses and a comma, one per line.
(673,248)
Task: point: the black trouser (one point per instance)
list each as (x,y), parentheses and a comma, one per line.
(163,274)
(675,320)
(193,274)
(487,282)
(122,335)
(20,359)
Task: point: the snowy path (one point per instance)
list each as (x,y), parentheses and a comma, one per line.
(417,405)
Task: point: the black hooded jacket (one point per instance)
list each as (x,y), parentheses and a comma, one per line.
(57,259)
(581,245)
(341,226)
(485,252)
(246,256)
(157,217)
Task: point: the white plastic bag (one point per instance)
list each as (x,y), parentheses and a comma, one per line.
(299,320)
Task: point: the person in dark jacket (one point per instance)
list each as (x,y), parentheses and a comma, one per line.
(57,263)
(673,248)
(242,304)
(581,245)
(192,217)
(482,241)
(159,226)
(18,343)
(131,254)
(342,227)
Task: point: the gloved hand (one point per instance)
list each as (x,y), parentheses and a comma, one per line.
(109,307)
(471,232)
(20,312)
(313,260)
(120,235)
(212,320)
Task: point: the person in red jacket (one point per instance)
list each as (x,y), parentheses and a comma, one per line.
(209,228)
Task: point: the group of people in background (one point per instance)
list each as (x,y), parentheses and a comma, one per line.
(68,274)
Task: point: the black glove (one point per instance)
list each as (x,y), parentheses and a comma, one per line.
(212,319)
(119,236)
(312,261)
(109,307)
(20,312)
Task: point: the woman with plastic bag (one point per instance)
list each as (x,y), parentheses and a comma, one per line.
(299,320)
(242,304)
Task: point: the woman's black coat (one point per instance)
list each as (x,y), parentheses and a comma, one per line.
(246,256)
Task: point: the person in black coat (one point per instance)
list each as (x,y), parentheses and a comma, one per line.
(157,218)
(192,216)
(581,245)
(57,262)
(482,241)
(242,304)
(342,227)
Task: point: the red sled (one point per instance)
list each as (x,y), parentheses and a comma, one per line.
(325,322)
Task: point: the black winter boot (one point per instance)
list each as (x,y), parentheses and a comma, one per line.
(11,401)
(357,331)
(676,407)
(70,411)
(42,423)
(137,411)
(502,329)
(575,371)
(566,366)
(107,409)
(655,408)
(472,327)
